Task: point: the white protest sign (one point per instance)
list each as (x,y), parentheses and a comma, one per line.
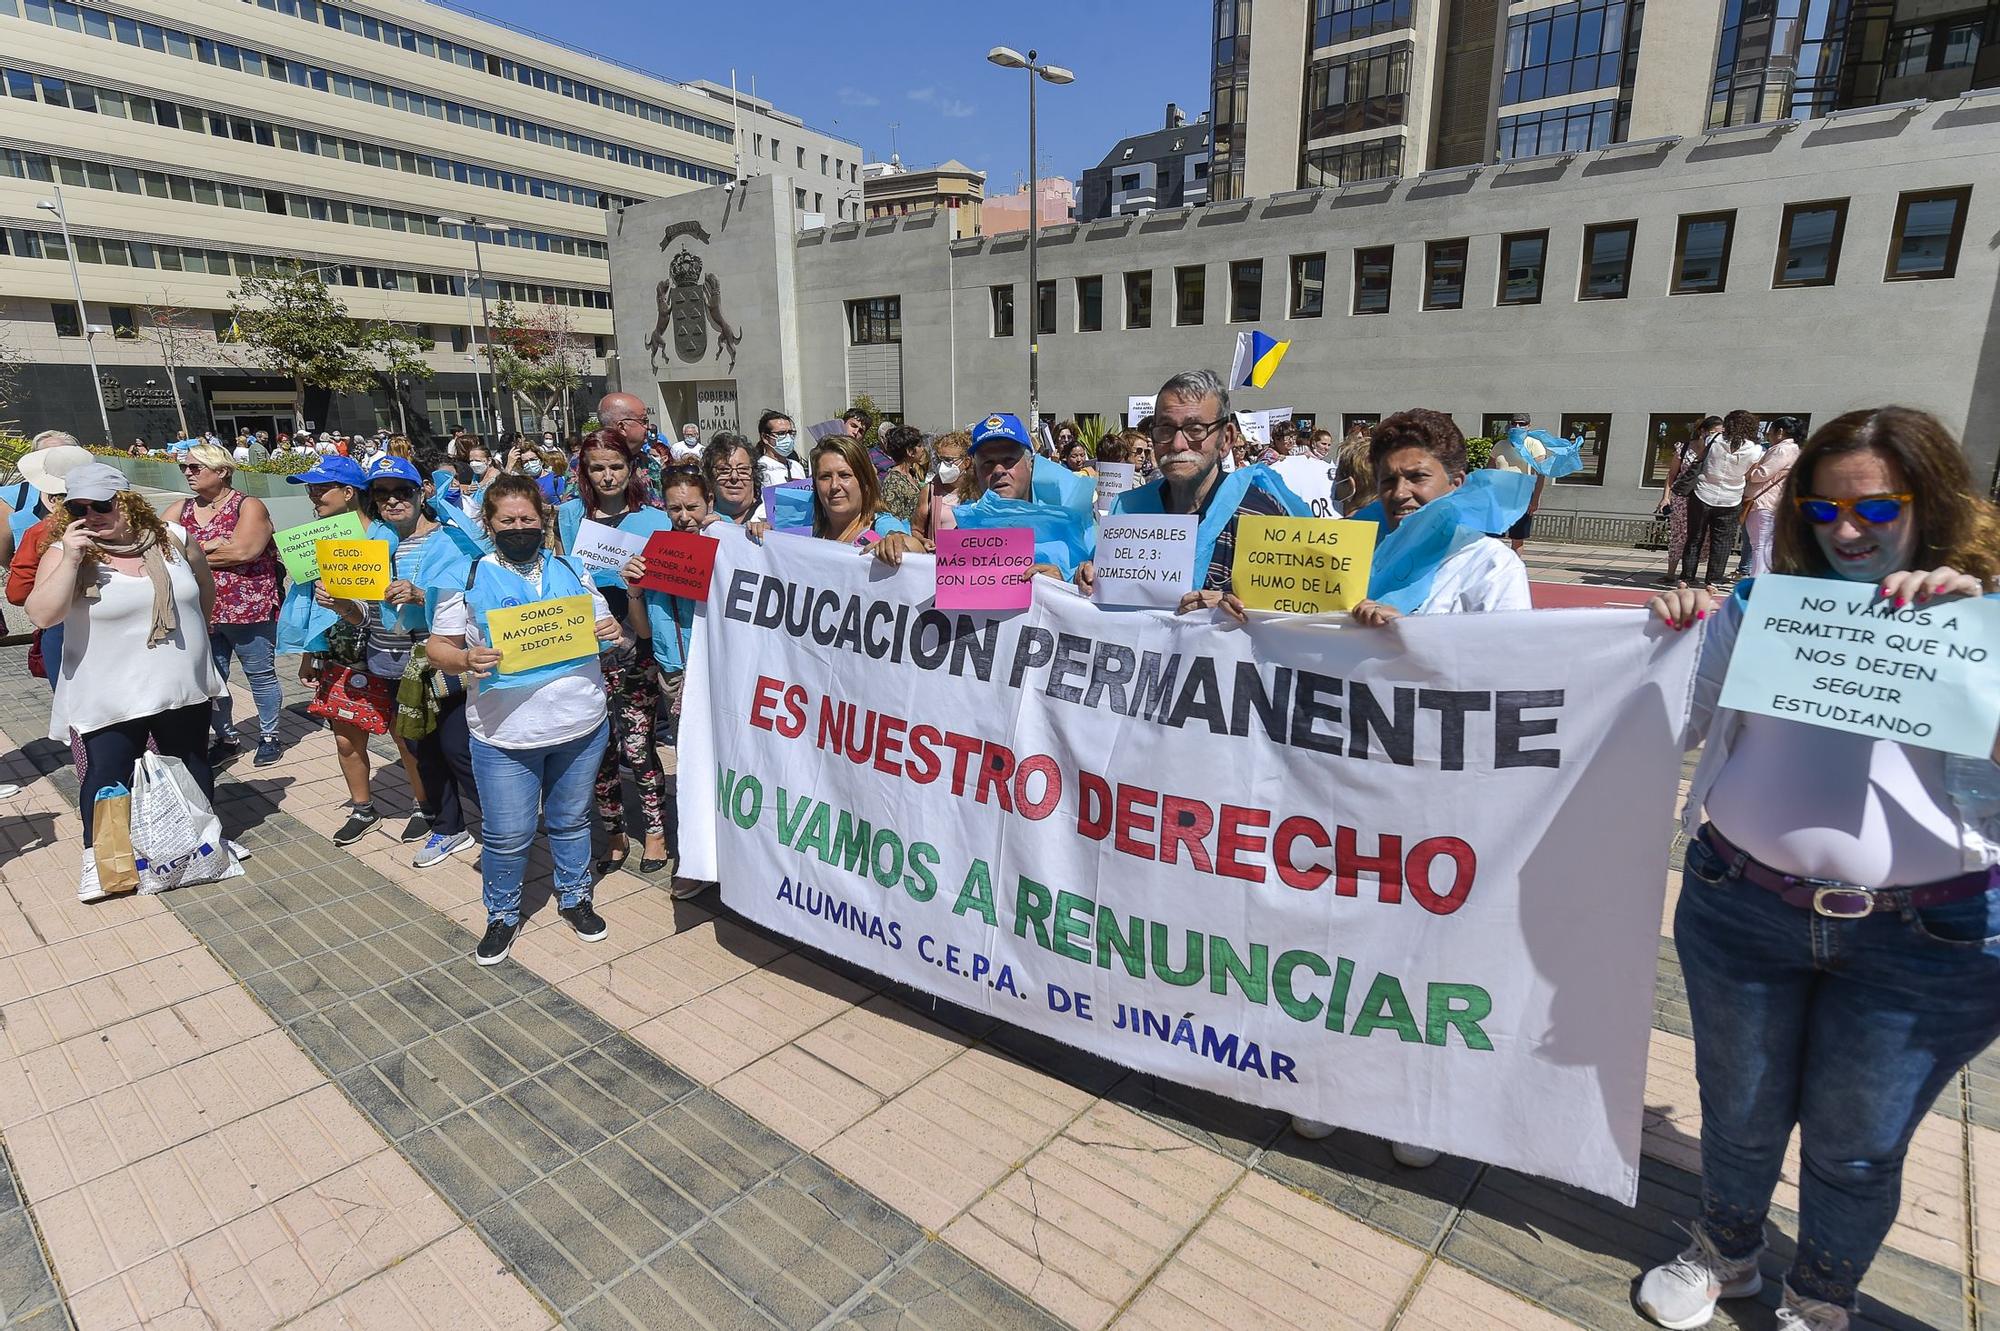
(1834,653)
(1138,408)
(1311,479)
(1413,890)
(1254,427)
(1113,479)
(1146,562)
(601,546)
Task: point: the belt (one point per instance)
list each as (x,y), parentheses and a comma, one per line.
(1838,900)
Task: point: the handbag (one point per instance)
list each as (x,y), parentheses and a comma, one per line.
(176,837)
(111,840)
(1689,477)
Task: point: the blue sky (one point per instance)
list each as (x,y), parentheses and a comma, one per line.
(857,67)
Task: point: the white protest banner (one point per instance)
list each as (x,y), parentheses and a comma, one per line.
(1254,427)
(1411,887)
(1147,562)
(602,546)
(1311,479)
(1113,479)
(1835,654)
(1137,408)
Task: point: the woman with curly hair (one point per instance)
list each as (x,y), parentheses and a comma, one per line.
(133,595)
(730,464)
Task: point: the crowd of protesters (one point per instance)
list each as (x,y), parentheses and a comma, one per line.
(1843,1023)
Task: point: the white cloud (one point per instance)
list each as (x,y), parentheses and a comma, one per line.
(856,97)
(949,107)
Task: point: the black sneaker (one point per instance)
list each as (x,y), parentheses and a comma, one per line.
(589,925)
(499,940)
(359,820)
(268,752)
(223,749)
(417,828)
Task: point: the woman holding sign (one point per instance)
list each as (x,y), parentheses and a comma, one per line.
(234,533)
(614,491)
(1839,919)
(526,630)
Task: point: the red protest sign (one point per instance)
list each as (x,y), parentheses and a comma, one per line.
(678,563)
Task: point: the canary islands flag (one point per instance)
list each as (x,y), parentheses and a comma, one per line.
(1257,357)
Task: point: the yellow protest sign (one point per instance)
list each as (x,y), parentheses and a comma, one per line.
(543,632)
(354,570)
(1307,566)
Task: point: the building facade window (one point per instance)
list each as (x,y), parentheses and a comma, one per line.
(1367,420)
(1929,226)
(1809,244)
(1524,259)
(1373,271)
(1607,261)
(1003,310)
(1366,90)
(1308,286)
(1377,159)
(1190,295)
(1139,300)
(1089,304)
(1495,424)
(1666,434)
(64,316)
(1564,129)
(1045,307)
(1336,21)
(1934,46)
(1229,97)
(1444,275)
(1701,253)
(1246,291)
(1564,49)
(1596,432)
(875,321)
(1780,58)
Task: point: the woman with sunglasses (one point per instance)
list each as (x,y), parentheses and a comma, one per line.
(133,596)
(614,496)
(1838,921)
(234,533)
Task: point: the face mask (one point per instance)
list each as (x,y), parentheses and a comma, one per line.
(531,468)
(517,545)
(784,443)
(478,467)
(949,472)
(548,441)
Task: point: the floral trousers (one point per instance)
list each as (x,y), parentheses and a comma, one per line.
(631,696)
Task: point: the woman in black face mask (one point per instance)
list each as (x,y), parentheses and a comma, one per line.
(538,722)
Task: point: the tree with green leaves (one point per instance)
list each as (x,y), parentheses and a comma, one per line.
(537,355)
(293,325)
(398,352)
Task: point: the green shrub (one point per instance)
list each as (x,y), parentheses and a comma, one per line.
(1478,452)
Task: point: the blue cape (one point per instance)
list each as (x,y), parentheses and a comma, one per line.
(1150,498)
(1060,538)
(1564,455)
(1407,559)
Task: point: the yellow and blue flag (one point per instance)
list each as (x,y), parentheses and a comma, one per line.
(1257,357)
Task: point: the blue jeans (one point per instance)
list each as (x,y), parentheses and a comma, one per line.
(52,640)
(516,785)
(256,646)
(1846,1028)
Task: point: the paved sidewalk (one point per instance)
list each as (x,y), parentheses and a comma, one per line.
(290,1099)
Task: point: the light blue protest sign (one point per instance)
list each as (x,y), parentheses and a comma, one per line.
(1836,654)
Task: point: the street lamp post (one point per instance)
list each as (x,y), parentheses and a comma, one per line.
(55,206)
(1008,58)
(485,320)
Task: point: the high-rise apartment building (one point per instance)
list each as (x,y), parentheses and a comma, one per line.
(1318,92)
(198,141)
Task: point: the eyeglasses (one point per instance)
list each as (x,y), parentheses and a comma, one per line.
(1163,432)
(394,494)
(733,473)
(1875,510)
(78,507)
(192,467)
(316,489)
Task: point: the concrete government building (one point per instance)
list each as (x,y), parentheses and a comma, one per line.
(1804,267)
(196,141)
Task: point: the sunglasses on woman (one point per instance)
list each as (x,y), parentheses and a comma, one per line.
(78,507)
(1874,510)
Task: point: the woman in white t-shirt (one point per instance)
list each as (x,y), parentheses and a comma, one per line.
(538,734)
(1718,495)
(1766,487)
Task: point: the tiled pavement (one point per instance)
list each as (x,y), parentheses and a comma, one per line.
(290,1100)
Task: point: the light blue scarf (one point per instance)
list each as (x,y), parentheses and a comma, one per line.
(1407,559)
(1150,498)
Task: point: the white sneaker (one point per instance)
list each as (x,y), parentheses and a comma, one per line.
(1684,1292)
(238,849)
(1311,1128)
(1803,1314)
(87,888)
(8,790)
(1414,1157)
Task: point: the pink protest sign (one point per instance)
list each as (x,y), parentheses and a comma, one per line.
(984,570)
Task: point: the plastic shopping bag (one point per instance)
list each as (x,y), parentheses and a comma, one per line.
(111,840)
(176,837)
